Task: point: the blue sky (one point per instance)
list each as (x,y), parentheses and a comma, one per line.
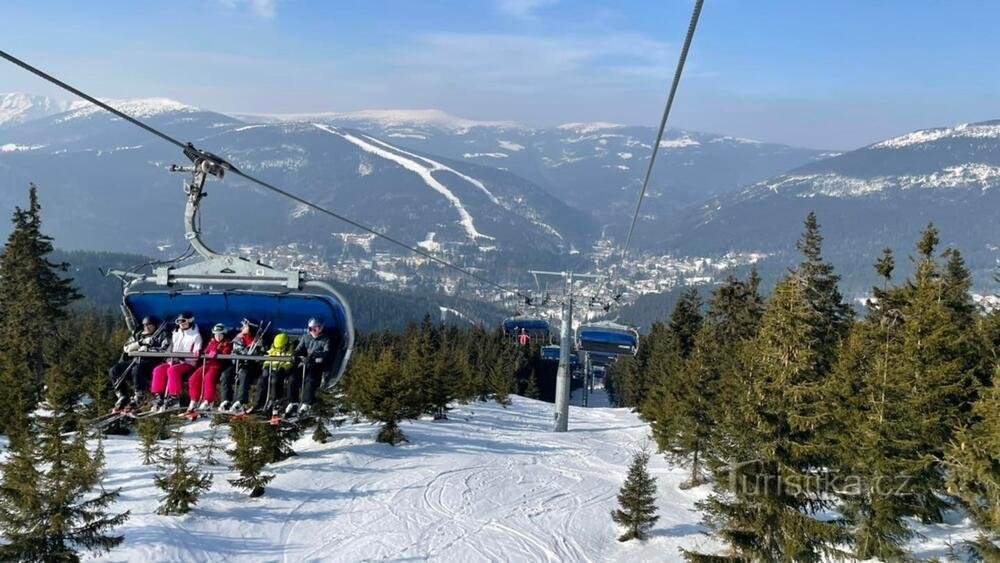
(822,74)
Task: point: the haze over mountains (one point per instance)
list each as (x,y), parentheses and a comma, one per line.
(535,196)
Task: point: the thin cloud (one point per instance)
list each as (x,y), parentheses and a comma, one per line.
(522,8)
(505,60)
(263,9)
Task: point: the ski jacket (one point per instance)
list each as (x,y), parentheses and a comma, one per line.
(242,345)
(186,341)
(315,349)
(142,342)
(224,347)
(285,350)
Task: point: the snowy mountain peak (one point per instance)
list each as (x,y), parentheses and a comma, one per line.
(592,127)
(17,107)
(138,107)
(982,130)
(386,118)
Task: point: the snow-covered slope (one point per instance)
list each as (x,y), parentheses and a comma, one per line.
(491,484)
(878,196)
(17,107)
(403,119)
(404,192)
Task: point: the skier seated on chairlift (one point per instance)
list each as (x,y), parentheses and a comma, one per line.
(523,338)
(314,352)
(168,376)
(270,388)
(201,386)
(149,337)
(237,378)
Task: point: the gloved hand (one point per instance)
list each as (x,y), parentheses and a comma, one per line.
(211,355)
(144,348)
(318,360)
(197,354)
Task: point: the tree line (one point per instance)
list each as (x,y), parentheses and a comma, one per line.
(796,408)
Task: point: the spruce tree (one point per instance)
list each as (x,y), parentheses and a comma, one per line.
(766,497)
(973,462)
(940,356)
(33,296)
(732,320)
(446,376)
(531,387)
(181,480)
(686,320)
(50,509)
(209,447)
(383,393)
(151,430)
(678,406)
(500,376)
(250,454)
(636,510)
(320,434)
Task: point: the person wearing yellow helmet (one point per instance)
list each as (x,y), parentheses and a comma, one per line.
(270,388)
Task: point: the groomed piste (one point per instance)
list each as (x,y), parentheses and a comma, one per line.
(490,484)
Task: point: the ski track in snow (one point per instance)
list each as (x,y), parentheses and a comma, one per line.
(425,172)
(490,484)
(437,166)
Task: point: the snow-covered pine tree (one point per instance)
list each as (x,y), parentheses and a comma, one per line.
(181,480)
(250,454)
(636,510)
(49,508)
(973,462)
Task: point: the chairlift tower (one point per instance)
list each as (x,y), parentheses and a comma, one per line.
(569,293)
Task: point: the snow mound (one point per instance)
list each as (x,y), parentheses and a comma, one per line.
(988,130)
(140,107)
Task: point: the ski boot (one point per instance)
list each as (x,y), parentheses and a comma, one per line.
(157,402)
(120,403)
(170,403)
(304,410)
(275,415)
(190,413)
(291,410)
(238,412)
(135,403)
(224,406)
